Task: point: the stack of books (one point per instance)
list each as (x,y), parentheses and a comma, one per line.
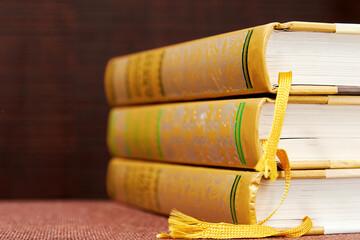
(187,123)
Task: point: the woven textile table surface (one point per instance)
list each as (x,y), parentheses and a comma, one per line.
(87,220)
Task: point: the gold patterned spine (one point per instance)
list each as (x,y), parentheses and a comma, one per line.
(205,68)
(208,67)
(140,186)
(142,75)
(193,190)
(217,133)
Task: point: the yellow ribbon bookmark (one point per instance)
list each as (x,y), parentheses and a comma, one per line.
(184,226)
(267,162)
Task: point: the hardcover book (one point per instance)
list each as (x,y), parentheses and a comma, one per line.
(324,58)
(240,197)
(318,132)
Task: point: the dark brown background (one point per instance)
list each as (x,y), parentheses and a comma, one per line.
(53,112)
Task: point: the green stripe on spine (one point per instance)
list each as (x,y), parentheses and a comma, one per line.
(127,134)
(146,134)
(231,202)
(158,141)
(137,136)
(238,133)
(111,134)
(232,199)
(245,60)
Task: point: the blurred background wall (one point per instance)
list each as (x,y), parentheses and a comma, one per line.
(53,111)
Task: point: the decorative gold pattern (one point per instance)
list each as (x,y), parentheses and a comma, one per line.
(117,145)
(161,187)
(206,67)
(198,132)
(135,133)
(142,75)
(141,186)
(194,191)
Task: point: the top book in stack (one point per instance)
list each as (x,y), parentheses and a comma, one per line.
(324,59)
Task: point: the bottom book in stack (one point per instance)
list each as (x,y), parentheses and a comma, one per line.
(331,198)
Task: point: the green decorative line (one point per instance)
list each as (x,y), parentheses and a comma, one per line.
(160,75)
(245,60)
(127,79)
(127,134)
(111,133)
(158,141)
(232,199)
(146,134)
(137,137)
(238,133)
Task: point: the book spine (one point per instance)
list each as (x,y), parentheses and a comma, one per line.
(218,133)
(209,194)
(210,67)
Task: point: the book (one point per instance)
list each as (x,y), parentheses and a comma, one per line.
(240,197)
(324,58)
(318,132)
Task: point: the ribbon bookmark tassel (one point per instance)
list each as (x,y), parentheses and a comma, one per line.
(267,162)
(186,227)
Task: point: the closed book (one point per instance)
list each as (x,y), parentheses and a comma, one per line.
(324,58)
(318,132)
(240,197)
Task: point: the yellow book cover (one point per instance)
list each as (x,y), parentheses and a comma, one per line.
(318,132)
(240,197)
(240,63)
